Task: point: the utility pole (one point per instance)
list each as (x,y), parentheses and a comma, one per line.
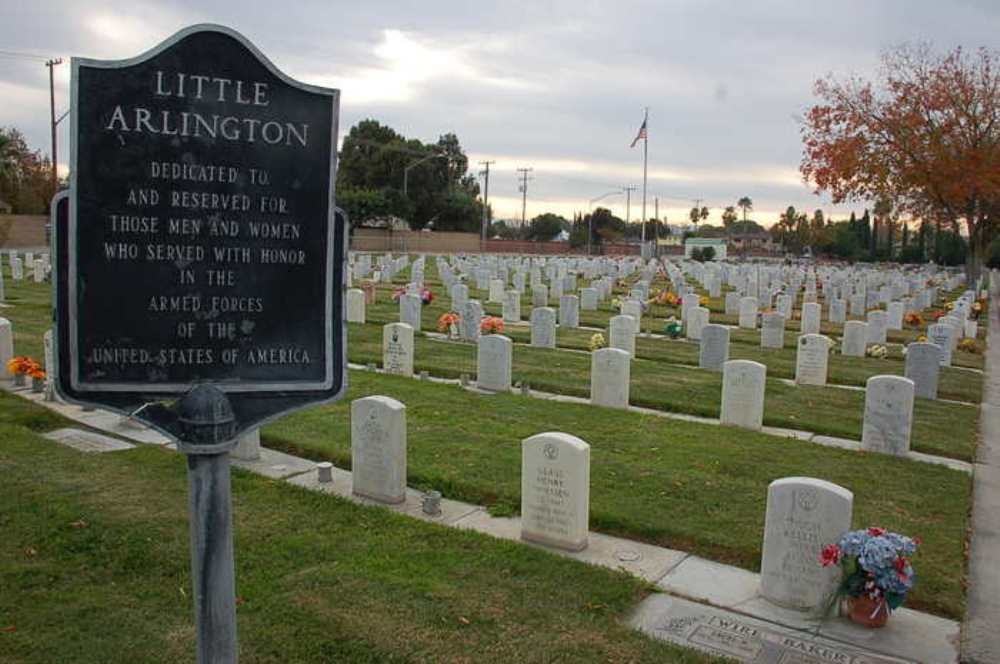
(524,192)
(656,224)
(51,64)
(628,189)
(486,195)
(645,162)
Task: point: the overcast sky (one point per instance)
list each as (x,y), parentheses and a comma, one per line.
(556,86)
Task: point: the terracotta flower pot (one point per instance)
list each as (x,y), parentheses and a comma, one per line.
(868,612)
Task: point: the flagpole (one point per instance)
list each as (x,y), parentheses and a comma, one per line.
(645,157)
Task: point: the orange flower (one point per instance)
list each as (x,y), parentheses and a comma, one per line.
(491,325)
(22,364)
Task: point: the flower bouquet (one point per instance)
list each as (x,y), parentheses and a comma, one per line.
(398,293)
(969,345)
(673,328)
(491,325)
(877,573)
(426,296)
(23,366)
(913,319)
(878,351)
(449,323)
(596,342)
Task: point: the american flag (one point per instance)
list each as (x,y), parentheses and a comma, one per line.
(640,135)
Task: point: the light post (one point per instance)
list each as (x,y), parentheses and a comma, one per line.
(406,170)
(590,215)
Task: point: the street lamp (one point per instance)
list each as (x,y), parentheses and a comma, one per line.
(406,170)
(590,215)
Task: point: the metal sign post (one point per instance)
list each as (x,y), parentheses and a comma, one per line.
(199,266)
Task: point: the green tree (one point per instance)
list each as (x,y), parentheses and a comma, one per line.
(729,217)
(438,188)
(747,204)
(696,215)
(25,174)
(546,227)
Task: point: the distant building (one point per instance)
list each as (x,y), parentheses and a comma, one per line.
(752,241)
(716,243)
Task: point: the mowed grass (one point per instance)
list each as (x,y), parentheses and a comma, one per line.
(694,487)
(944,429)
(94,565)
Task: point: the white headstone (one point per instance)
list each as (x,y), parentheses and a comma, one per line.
(888,415)
(772,330)
(941,335)
(923,365)
(459,296)
(496,291)
(714,349)
(539,295)
(397,349)
(6,348)
(410,310)
(621,333)
(247,446)
(543,327)
(378,449)
(810,318)
(471,318)
(512,307)
(743,383)
(696,321)
(877,325)
(355,305)
(555,490)
(811,359)
(748,313)
(610,371)
(569,311)
(803,515)
(494,362)
(855,339)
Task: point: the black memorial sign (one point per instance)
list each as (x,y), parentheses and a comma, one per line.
(201,244)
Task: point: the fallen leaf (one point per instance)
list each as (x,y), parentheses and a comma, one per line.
(80,523)
(8,629)
(464,620)
(30,551)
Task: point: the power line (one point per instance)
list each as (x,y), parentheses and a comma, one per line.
(20,54)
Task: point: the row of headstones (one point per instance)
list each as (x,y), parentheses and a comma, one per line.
(40,266)
(889,400)
(802,513)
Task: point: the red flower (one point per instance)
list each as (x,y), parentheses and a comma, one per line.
(917,541)
(830,555)
(900,564)
(876,531)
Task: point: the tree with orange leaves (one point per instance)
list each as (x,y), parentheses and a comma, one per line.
(925,136)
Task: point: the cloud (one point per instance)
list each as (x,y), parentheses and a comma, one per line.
(559,86)
(405,62)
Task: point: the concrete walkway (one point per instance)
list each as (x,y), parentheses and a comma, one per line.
(981,629)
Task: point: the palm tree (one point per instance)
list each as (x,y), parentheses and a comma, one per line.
(746,204)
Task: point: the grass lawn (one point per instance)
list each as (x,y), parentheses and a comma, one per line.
(699,488)
(95,568)
(945,429)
